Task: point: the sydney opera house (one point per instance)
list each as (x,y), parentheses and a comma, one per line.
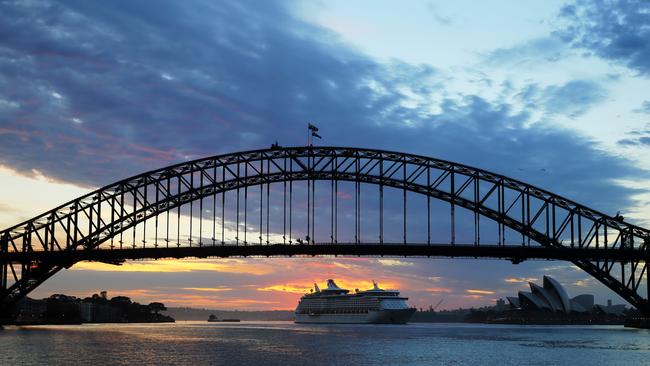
(552,297)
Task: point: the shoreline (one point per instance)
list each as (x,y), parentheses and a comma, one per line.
(22,324)
(290,322)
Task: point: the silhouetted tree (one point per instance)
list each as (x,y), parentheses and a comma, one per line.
(157,307)
(62,308)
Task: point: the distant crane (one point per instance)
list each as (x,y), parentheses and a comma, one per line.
(434,308)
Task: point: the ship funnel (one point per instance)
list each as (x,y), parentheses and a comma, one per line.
(331,285)
(374,285)
(316,289)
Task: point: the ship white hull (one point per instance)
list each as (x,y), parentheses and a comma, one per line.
(393,316)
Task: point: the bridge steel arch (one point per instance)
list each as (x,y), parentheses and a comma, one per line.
(611,250)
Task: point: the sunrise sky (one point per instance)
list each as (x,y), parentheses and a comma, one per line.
(553,93)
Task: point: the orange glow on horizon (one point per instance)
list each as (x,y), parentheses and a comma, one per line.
(238,266)
(207,289)
(290,288)
(480,292)
(437,290)
(304,287)
(522,280)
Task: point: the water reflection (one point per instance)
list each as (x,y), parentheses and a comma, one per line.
(284,343)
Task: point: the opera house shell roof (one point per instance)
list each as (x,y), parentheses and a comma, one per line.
(552,297)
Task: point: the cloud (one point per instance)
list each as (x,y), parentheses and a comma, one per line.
(480,292)
(233,87)
(640,137)
(290,288)
(179,297)
(645,107)
(584,282)
(573,98)
(175,266)
(614,30)
(394,263)
(641,141)
(207,289)
(520,280)
(342,282)
(546,49)
(439,290)
(437,16)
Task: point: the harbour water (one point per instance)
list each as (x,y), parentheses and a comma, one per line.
(286,343)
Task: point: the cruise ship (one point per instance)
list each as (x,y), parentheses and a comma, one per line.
(336,305)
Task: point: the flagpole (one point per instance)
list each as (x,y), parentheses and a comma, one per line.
(311,133)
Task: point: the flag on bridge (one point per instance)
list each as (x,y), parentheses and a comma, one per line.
(311,133)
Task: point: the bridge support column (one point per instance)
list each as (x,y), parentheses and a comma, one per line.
(4,249)
(3,279)
(646,311)
(5,317)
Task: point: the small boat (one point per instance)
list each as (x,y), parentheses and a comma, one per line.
(213,319)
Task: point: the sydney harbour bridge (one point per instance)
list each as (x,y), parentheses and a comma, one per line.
(323,201)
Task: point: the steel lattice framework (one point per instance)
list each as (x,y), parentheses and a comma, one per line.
(93,227)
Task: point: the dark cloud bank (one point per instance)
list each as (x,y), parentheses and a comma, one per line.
(614,30)
(96,92)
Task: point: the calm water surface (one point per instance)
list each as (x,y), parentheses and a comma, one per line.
(285,343)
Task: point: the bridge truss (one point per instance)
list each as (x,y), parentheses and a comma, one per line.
(315,201)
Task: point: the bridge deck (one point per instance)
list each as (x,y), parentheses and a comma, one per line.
(515,253)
